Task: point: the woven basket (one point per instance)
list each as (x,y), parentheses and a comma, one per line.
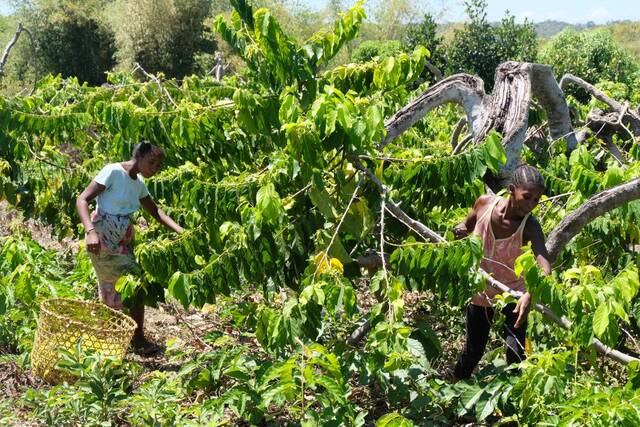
(63,322)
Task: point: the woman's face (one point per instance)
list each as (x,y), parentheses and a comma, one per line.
(525,197)
(149,165)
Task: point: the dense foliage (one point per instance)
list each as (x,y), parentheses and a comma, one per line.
(594,56)
(478,48)
(263,172)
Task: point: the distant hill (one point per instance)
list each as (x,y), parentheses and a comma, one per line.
(550,28)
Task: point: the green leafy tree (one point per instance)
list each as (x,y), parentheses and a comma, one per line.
(162,36)
(425,33)
(71,40)
(593,55)
(370,49)
(479,48)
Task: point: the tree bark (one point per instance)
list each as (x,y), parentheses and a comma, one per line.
(463,89)
(506,110)
(596,206)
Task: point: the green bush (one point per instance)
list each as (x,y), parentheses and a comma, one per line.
(71,40)
(593,56)
(424,33)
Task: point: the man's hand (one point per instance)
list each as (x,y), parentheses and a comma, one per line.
(522,309)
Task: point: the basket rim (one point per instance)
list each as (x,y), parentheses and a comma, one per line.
(44,306)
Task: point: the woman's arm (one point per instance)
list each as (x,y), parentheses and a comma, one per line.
(465,227)
(82,205)
(150,206)
(532,233)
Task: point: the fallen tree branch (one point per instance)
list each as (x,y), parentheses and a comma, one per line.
(431,235)
(596,206)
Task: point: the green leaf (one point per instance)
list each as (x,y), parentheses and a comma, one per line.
(269,204)
(393,419)
(179,288)
(601,320)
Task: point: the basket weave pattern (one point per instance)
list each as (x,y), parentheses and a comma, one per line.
(63,322)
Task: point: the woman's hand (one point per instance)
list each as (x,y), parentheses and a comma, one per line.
(460,231)
(522,309)
(92,241)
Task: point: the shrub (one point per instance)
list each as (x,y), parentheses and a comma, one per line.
(371,48)
(71,41)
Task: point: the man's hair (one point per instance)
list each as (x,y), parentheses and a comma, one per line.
(145,148)
(527,175)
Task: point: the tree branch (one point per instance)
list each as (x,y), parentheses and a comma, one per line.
(463,89)
(625,113)
(596,206)
(456,132)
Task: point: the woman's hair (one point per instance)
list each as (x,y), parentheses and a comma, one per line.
(145,148)
(527,175)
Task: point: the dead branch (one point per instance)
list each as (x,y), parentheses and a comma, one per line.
(434,70)
(463,144)
(596,206)
(463,89)
(624,113)
(156,80)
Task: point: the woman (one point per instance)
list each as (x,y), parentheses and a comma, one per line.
(504,225)
(109,232)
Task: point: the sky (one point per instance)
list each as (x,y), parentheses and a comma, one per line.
(573,11)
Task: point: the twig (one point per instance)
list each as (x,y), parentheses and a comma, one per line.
(335,233)
(156,80)
(177,315)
